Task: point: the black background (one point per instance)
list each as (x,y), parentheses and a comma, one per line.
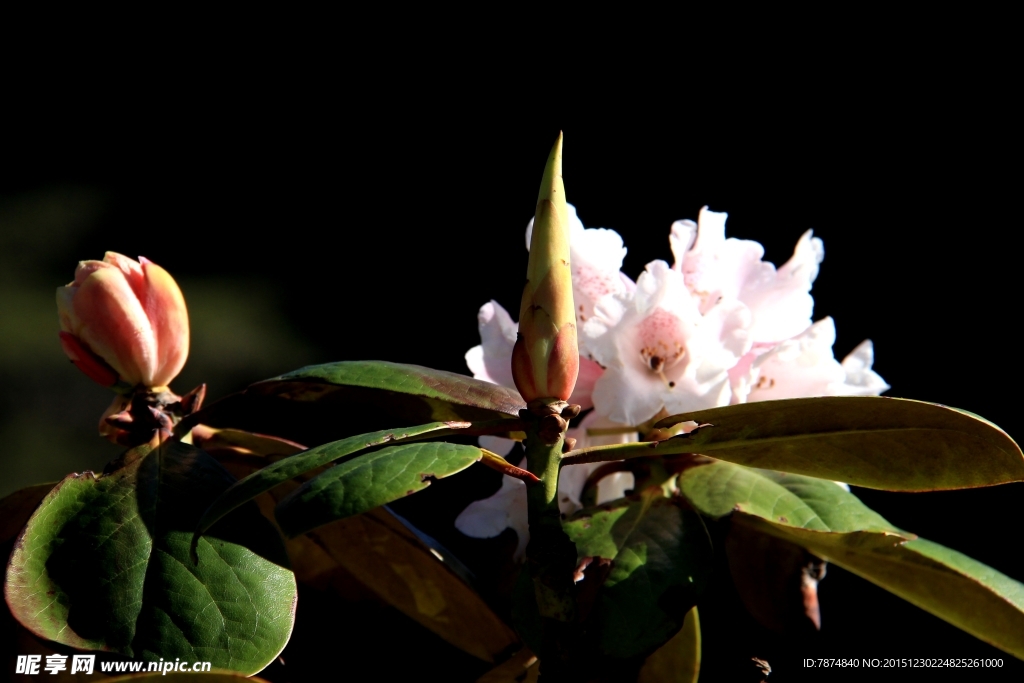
(387,213)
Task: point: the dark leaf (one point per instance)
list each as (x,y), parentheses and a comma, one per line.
(660,559)
(322,403)
(103,565)
(383,554)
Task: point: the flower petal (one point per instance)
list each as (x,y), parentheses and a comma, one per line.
(798,367)
(489,517)
(781,304)
(165,308)
(118,328)
(493,361)
(861,380)
(628,394)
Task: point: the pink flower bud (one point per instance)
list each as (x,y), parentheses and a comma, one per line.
(124,320)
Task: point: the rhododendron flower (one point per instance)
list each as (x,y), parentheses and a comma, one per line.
(718,327)
(663,353)
(805,366)
(716,268)
(124,321)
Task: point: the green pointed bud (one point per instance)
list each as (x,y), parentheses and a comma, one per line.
(545,359)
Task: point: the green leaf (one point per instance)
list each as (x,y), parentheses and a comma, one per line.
(660,559)
(678,660)
(968,594)
(875,442)
(833,524)
(281,471)
(448,395)
(103,564)
(322,403)
(802,509)
(360,484)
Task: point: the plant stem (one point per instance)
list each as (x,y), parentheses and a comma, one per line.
(550,555)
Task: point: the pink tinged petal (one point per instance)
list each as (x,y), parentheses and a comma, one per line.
(723,336)
(628,285)
(739,378)
(600,248)
(87,268)
(716,267)
(571,480)
(680,239)
(799,367)
(628,394)
(607,314)
(711,229)
(806,259)
(660,286)
(475,363)
(861,380)
(782,305)
(596,257)
(85,360)
(590,285)
(614,486)
(740,375)
(118,329)
(663,338)
(165,308)
(778,314)
(493,361)
(131,269)
(688,395)
(644,347)
(489,517)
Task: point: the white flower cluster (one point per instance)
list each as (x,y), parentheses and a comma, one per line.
(718,326)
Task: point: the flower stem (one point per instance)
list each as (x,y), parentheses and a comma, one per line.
(550,555)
